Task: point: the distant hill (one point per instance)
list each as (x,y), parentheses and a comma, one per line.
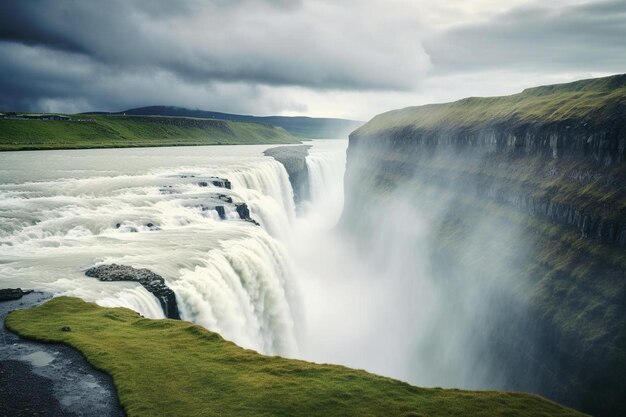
(46,131)
(304,127)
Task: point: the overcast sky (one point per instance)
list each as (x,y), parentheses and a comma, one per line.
(338,58)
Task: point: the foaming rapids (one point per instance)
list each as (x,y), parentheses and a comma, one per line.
(64,211)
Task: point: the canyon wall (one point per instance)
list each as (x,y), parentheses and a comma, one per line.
(524,198)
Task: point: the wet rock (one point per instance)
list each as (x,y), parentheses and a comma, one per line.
(63,385)
(151,281)
(217,182)
(7,294)
(152,226)
(225,198)
(220,182)
(244,213)
(221,212)
(293,159)
(168,189)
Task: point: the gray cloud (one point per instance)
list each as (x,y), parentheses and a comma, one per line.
(322,57)
(580,37)
(269,42)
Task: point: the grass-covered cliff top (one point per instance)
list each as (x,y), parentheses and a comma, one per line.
(170,367)
(578,100)
(100,131)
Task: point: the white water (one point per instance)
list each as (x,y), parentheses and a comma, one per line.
(293,286)
(59,212)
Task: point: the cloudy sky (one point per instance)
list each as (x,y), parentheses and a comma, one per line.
(345,58)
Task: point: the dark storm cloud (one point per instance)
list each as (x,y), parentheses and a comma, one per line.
(198,43)
(581,37)
(255,41)
(275,56)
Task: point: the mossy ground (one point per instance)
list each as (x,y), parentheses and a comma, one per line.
(175,368)
(121,132)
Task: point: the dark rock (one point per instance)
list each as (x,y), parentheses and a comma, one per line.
(225,198)
(8,294)
(24,393)
(293,159)
(118,225)
(152,226)
(217,182)
(66,329)
(220,182)
(244,213)
(151,281)
(66,386)
(221,212)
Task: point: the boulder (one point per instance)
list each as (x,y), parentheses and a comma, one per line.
(151,281)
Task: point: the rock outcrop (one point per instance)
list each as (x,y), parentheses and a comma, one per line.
(151,281)
(293,159)
(8,294)
(244,213)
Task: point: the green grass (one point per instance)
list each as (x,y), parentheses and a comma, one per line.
(175,368)
(134,131)
(581,100)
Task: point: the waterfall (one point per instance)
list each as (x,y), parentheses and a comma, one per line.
(229,275)
(157,209)
(326,167)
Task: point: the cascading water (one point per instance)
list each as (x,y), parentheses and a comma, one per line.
(64,211)
(326,167)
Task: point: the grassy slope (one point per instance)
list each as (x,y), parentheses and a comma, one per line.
(578,100)
(304,127)
(168,367)
(116,131)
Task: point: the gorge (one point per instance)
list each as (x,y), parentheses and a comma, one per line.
(504,218)
(477,244)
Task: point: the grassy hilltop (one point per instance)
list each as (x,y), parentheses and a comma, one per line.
(105,131)
(594,99)
(171,367)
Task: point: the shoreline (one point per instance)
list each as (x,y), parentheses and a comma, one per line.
(49,379)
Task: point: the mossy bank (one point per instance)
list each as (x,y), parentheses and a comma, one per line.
(169,367)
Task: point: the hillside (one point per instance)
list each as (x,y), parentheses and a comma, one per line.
(593,100)
(105,131)
(304,127)
(525,197)
(170,367)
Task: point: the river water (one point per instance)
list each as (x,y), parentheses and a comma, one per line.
(64,211)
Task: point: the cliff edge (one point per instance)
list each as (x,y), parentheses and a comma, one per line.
(524,198)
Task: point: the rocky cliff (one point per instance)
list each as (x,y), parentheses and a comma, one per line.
(526,197)
(293,159)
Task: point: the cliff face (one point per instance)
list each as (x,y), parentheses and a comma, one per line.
(524,196)
(293,159)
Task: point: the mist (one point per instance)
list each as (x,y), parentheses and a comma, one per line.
(380,295)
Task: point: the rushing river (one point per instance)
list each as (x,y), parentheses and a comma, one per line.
(62,212)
